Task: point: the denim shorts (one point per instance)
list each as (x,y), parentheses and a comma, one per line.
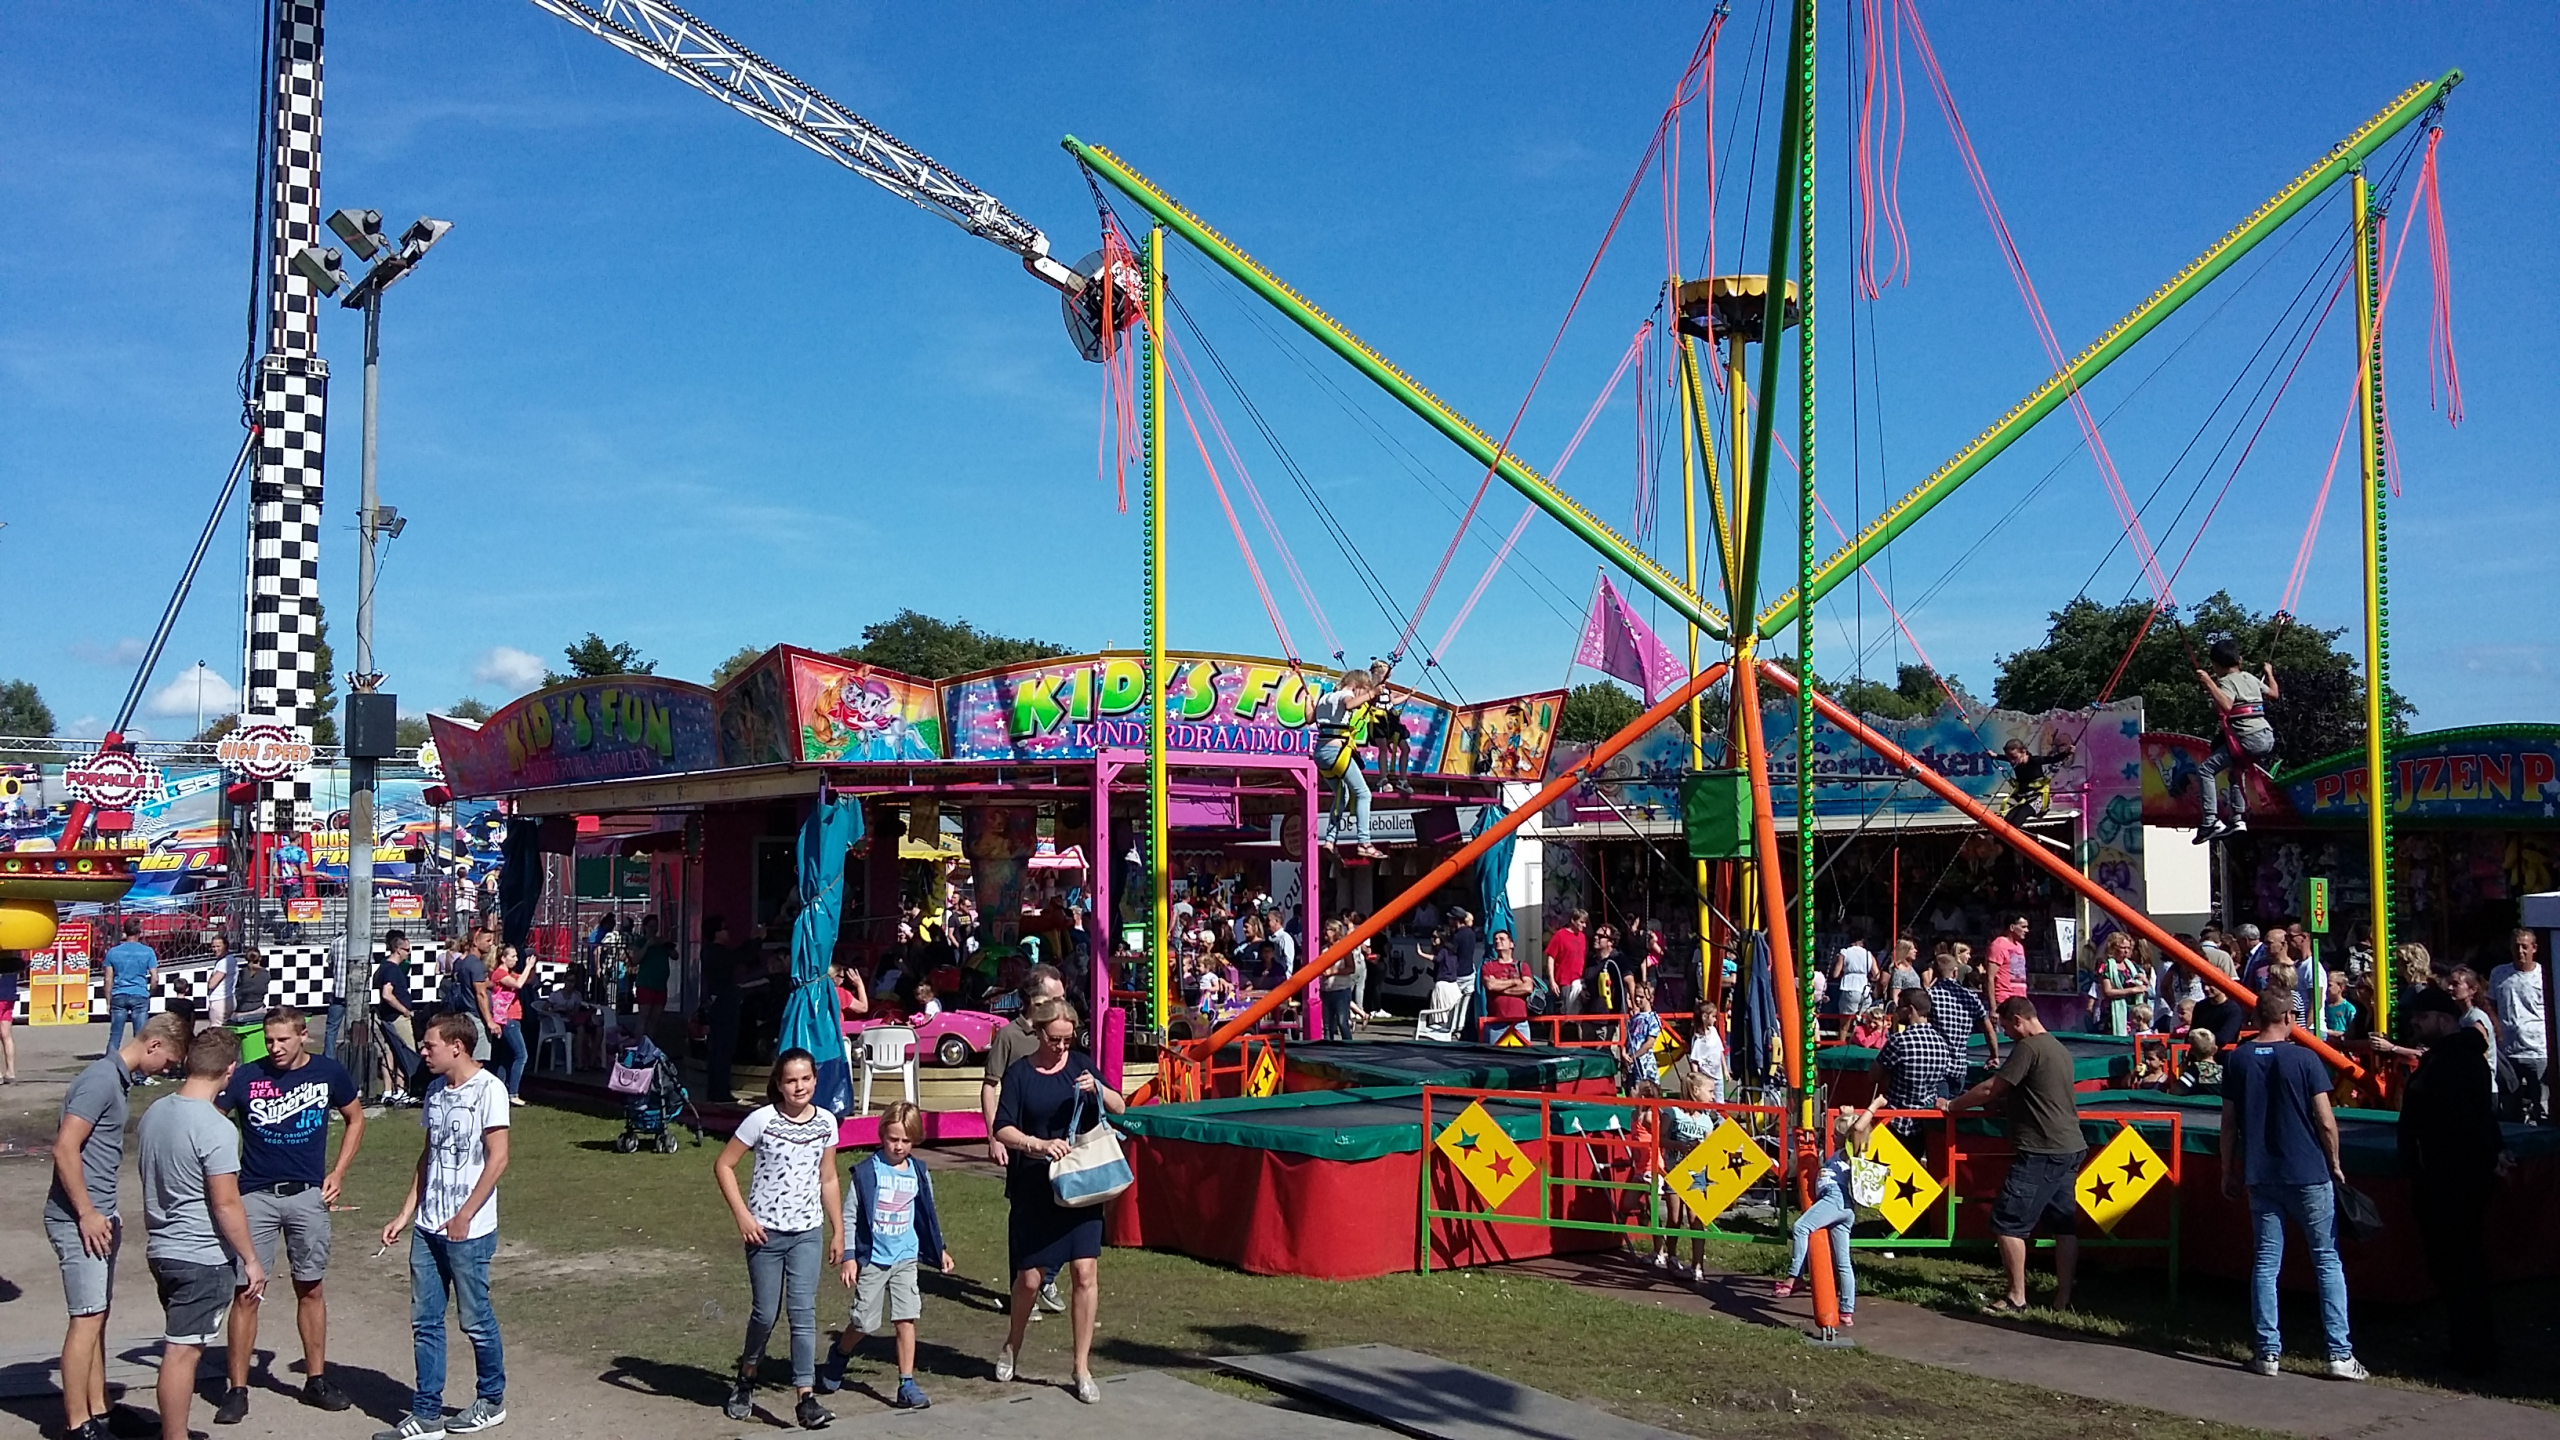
(88,1283)
(195,1298)
(2038,1188)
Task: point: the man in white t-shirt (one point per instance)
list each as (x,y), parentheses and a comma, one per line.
(1853,973)
(2517,990)
(454,1198)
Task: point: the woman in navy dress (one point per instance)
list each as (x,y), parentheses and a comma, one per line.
(1046,1097)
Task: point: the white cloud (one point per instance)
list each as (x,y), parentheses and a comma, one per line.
(196,690)
(119,655)
(87,727)
(508,670)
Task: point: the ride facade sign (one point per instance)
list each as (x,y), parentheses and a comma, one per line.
(262,748)
(114,780)
(614,727)
(1218,704)
(2480,775)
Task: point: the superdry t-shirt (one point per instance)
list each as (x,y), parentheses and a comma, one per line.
(284,1118)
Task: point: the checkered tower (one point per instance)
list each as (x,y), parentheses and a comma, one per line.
(282,661)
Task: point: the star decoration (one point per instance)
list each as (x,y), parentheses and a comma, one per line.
(1467,1142)
(1906,1188)
(1735,1162)
(2134,1168)
(2102,1190)
(1501,1167)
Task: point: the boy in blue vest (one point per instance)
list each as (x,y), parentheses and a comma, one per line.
(894,1225)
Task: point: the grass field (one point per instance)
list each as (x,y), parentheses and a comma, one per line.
(2400,1344)
(631,1261)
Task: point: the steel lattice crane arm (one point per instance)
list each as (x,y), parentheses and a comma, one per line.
(665,36)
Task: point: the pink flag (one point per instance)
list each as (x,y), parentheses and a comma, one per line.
(1616,643)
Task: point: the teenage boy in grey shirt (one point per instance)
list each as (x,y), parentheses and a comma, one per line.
(80,1216)
(190,1160)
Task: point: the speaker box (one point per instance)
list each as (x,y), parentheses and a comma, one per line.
(373,726)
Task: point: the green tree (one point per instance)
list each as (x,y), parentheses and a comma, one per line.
(324,692)
(469,708)
(22,709)
(1594,712)
(410,731)
(1914,695)
(592,657)
(728,670)
(217,727)
(932,649)
(2318,709)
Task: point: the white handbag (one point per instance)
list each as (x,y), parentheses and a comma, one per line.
(1093,1172)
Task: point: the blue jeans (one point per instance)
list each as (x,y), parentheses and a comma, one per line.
(784,1270)
(436,1265)
(1337,1013)
(1352,787)
(2314,1209)
(513,1070)
(1827,1211)
(123,1012)
(336,1022)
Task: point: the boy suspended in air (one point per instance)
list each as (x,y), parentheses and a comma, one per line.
(2031,780)
(2247,738)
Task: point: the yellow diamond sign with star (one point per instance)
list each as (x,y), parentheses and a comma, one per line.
(1669,1044)
(1909,1188)
(1511,1040)
(1715,1174)
(2111,1185)
(1493,1165)
(1265,1080)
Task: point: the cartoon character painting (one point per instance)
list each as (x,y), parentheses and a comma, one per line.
(856,713)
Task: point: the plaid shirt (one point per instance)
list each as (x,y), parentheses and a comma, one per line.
(1916,1061)
(1957,1012)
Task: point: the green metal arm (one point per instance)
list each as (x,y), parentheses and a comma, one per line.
(2341,161)
(1620,552)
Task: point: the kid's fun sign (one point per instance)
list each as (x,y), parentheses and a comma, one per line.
(616,727)
(1219,704)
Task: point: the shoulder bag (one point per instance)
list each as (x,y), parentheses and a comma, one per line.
(1093,1172)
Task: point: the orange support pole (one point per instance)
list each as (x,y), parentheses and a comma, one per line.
(1779,927)
(2026,845)
(1280,994)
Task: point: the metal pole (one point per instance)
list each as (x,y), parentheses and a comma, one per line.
(2348,154)
(2377,607)
(1159,800)
(1826,1303)
(1637,566)
(1689,435)
(358,956)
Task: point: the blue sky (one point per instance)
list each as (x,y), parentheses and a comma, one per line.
(676,380)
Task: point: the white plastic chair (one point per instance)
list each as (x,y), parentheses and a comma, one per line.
(888,1050)
(551,1035)
(1440,1022)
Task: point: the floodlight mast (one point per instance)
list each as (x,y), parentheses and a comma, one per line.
(665,36)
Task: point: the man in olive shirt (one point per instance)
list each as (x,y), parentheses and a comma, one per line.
(1015,1041)
(2044,1127)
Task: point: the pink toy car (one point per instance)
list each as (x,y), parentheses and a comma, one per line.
(953,1038)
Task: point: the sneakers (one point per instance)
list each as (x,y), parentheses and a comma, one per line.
(234,1407)
(1661,1261)
(2348,1369)
(1087,1391)
(483,1415)
(830,1377)
(1698,1273)
(910,1395)
(320,1393)
(814,1416)
(2236,825)
(126,1423)
(1050,1301)
(742,1399)
(413,1427)
(2209,831)
(1004,1365)
(2264,1365)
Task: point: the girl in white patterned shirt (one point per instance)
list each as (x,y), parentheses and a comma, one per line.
(794,1190)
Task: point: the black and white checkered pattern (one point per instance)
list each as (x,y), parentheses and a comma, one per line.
(282,663)
(298,975)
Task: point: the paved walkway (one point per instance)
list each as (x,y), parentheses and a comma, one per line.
(2204,1389)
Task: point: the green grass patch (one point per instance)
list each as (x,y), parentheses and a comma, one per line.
(631,1262)
(2123,1302)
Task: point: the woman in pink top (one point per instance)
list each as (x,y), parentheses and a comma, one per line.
(2009,961)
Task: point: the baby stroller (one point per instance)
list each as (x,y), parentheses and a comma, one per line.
(653,1100)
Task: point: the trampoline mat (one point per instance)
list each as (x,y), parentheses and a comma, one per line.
(1426,1062)
(1346,1124)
